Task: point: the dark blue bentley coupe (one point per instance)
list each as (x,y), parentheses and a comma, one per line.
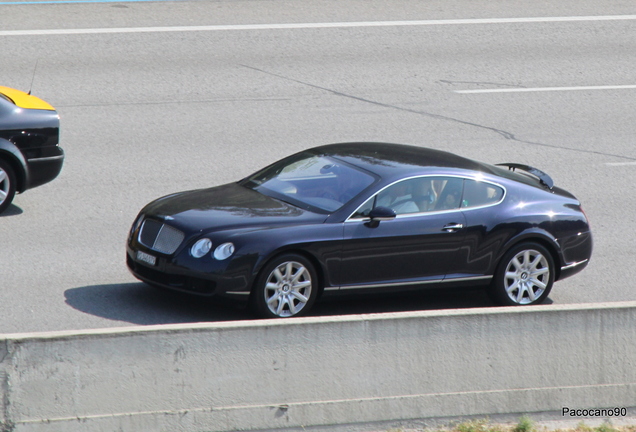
(364,217)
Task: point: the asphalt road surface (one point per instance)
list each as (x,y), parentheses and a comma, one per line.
(159,97)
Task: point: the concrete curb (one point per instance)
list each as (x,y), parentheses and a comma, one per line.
(273,374)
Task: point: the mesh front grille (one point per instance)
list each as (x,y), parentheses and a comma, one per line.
(149,231)
(168,240)
(160,237)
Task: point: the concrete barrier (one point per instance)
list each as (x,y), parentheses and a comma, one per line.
(273,374)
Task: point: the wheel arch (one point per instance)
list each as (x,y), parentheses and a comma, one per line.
(320,272)
(542,238)
(12,155)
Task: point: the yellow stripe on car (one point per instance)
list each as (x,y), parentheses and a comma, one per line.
(25,100)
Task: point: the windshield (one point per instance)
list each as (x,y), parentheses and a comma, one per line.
(306,180)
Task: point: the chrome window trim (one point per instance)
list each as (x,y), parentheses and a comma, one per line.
(409,215)
(392,284)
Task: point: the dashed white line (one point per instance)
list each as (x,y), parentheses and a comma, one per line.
(315,25)
(620,163)
(547,89)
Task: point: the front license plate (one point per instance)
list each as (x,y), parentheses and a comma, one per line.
(147,258)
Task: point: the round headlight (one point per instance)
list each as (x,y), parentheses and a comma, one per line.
(201,247)
(224,251)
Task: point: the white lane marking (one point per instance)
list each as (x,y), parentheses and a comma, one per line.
(22,3)
(314,25)
(547,89)
(620,163)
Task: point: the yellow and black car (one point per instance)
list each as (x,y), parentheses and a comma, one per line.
(30,154)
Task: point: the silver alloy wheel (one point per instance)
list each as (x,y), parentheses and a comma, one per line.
(527,276)
(288,289)
(5,185)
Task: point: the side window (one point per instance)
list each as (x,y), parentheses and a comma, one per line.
(400,197)
(416,195)
(449,193)
(477,194)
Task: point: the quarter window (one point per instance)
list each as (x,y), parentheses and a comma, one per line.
(477,194)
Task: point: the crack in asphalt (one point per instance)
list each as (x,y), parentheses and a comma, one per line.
(507,135)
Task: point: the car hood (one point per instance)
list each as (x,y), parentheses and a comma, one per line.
(227,207)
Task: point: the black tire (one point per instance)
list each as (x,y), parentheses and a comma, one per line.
(7,185)
(286,287)
(524,276)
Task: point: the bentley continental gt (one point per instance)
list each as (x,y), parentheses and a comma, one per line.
(361,218)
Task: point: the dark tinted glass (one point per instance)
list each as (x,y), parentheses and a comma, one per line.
(311,181)
(477,194)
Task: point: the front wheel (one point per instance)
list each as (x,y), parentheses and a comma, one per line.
(524,276)
(7,185)
(286,287)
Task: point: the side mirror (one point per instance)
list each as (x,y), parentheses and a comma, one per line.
(379,214)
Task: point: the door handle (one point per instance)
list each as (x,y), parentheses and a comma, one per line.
(452,227)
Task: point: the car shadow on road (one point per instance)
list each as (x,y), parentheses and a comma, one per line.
(140,304)
(12,210)
(425,299)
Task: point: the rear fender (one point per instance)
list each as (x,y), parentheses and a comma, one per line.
(540,236)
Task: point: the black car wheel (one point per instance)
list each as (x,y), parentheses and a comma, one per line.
(7,185)
(524,276)
(286,287)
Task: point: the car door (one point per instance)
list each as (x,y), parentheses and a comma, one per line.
(421,244)
(484,234)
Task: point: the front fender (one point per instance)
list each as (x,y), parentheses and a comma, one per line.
(320,243)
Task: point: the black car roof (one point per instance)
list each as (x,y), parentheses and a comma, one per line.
(387,159)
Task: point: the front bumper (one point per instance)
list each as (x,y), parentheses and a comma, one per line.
(180,282)
(186,274)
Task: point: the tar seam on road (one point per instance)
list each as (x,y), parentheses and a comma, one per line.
(506,135)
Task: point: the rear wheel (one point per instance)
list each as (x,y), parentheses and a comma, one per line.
(286,287)
(7,185)
(524,276)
